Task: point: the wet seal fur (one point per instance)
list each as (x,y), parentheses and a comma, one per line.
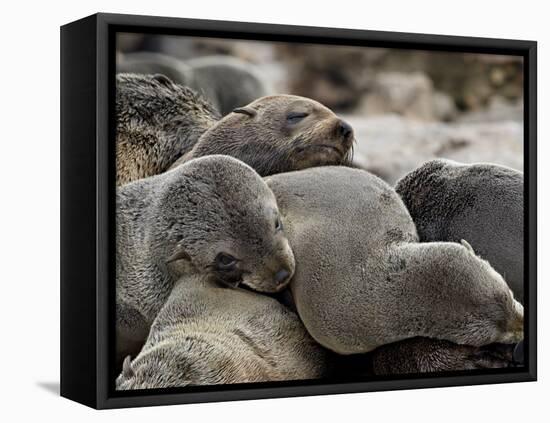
(481,203)
(208,334)
(363,280)
(280,133)
(213,216)
(157,122)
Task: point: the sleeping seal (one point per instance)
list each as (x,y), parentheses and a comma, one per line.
(481,203)
(362,278)
(277,134)
(212,216)
(207,334)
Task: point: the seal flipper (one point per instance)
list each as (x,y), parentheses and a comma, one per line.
(127,370)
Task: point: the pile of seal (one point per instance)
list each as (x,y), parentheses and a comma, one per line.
(249,250)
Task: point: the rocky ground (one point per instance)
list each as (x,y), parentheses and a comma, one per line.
(391,145)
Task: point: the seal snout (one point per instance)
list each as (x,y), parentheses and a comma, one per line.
(282,276)
(282,268)
(344,129)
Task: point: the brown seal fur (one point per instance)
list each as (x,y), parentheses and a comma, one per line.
(363,280)
(425,355)
(279,133)
(157,122)
(208,334)
(212,216)
(482,203)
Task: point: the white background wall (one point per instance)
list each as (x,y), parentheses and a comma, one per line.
(29,238)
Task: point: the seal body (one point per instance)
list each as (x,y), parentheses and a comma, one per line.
(424,355)
(362,278)
(280,133)
(481,203)
(208,334)
(226,82)
(157,122)
(152,63)
(213,216)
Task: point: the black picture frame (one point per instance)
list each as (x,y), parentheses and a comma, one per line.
(87,206)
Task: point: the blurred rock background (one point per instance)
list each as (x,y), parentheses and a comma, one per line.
(406,106)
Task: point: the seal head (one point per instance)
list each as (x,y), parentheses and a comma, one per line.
(218,216)
(279,133)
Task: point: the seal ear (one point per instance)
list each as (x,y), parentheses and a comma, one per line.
(179,254)
(163,80)
(127,370)
(468,246)
(246,111)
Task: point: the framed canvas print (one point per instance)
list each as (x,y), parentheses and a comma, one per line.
(259,211)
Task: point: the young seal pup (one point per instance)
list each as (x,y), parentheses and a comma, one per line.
(362,278)
(212,216)
(157,122)
(209,334)
(277,134)
(481,203)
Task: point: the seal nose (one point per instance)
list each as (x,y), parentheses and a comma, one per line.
(282,276)
(344,129)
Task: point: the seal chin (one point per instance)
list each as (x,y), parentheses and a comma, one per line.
(323,148)
(319,154)
(265,287)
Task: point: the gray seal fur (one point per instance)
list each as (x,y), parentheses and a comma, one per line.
(177,223)
(157,122)
(151,63)
(226,82)
(209,334)
(362,278)
(481,203)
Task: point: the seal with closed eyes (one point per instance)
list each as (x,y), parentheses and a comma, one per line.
(363,280)
(481,203)
(161,124)
(279,133)
(212,216)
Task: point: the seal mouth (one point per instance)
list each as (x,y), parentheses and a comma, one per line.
(243,286)
(235,284)
(323,147)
